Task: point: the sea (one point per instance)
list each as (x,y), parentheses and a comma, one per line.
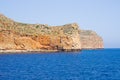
(102,64)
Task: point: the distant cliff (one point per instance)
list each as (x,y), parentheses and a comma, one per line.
(90,40)
(41,37)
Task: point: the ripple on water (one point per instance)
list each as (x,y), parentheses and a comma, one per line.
(85,65)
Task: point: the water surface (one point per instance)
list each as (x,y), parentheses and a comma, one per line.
(85,65)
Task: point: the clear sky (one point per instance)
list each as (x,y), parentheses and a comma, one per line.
(102,16)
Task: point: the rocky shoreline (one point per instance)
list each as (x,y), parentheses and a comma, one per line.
(25,51)
(37,51)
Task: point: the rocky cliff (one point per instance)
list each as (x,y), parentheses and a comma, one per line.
(33,37)
(90,40)
(41,37)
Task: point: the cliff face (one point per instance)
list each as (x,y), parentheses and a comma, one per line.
(32,37)
(21,36)
(90,40)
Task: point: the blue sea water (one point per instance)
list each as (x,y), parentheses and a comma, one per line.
(101,64)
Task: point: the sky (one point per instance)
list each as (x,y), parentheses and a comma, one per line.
(102,16)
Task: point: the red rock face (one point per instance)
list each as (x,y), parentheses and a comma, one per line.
(43,39)
(26,43)
(12,41)
(6,40)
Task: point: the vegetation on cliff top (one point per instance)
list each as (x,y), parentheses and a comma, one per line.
(35,29)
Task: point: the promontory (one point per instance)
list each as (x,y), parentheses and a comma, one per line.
(16,36)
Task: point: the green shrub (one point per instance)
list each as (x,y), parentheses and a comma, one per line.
(37,26)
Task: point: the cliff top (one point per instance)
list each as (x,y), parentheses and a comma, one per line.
(36,29)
